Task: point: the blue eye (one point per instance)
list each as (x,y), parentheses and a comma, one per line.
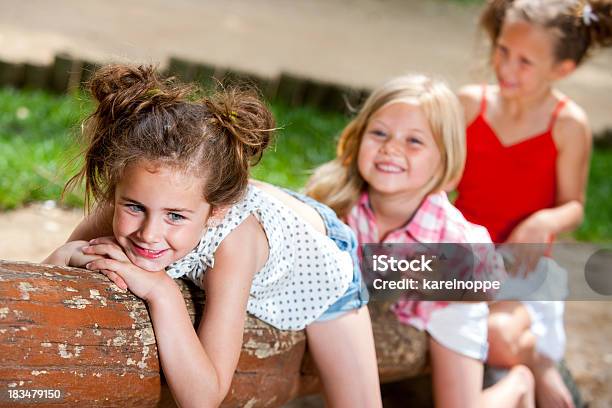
(134,207)
(414,140)
(378,133)
(174,217)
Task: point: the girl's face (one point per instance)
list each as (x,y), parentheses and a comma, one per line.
(398,153)
(159,214)
(523,60)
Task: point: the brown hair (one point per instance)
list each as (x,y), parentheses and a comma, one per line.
(338,183)
(577,25)
(141,116)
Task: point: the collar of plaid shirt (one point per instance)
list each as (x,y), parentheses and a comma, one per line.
(426,225)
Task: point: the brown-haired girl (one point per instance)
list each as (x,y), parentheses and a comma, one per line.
(168,173)
(528,149)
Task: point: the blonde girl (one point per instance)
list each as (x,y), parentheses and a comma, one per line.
(394,160)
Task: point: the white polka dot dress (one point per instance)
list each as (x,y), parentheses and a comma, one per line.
(305,272)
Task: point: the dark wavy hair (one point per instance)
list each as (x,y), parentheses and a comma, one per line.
(142,117)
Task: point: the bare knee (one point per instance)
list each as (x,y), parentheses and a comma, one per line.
(510,340)
(524,384)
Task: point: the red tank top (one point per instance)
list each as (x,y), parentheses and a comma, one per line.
(503,185)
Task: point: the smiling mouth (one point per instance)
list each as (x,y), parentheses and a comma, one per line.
(148,253)
(389,168)
(507,84)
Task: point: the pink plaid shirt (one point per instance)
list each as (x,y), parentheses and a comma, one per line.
(436,221)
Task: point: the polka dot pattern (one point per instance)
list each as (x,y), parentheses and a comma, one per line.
(305,272)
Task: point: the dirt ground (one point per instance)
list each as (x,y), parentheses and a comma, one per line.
(354,42)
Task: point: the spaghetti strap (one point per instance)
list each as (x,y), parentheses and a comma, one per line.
(483,100)
(555,114)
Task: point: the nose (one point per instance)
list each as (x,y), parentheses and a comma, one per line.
(507,67)
(151,231)
(391,146)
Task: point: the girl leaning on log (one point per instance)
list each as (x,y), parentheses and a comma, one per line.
(168,173)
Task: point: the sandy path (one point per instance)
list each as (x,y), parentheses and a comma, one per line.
(356,42)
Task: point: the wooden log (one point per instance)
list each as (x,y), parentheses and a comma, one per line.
(291,89)
(65,74)
(11,74)
(72,330)
(35,76)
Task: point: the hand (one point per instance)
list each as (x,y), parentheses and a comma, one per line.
(538,228)
(77,257)
(527,243)
(118,268)
(71,254)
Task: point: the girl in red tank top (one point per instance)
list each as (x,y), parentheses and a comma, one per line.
(528,150)
(524,180)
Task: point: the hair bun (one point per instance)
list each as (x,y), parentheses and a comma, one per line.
(245,117)
(128,89)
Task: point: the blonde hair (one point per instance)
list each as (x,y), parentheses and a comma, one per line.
(338,182)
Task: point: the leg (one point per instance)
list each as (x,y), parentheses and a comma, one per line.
(343,351)
(457,382)
(512,343)
(550,388)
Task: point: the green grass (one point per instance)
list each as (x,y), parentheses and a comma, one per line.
(597,225)
(38,134)
(36,141)
(306,139)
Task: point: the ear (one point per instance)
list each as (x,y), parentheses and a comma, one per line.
(564,68)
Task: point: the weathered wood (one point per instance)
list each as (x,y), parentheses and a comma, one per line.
(72,330)
(35,76)
(66,73)
(65,329)
(11,74)
(291,89)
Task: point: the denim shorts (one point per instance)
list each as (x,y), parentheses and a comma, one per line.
(356,296)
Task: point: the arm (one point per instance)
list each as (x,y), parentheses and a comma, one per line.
(470,97)
(573,139)
(198,366)
(219,337)
(574,146)
(66,254)
(97,224)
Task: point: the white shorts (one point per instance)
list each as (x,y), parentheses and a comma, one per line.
(547,281)
(462,328)
(547,327)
